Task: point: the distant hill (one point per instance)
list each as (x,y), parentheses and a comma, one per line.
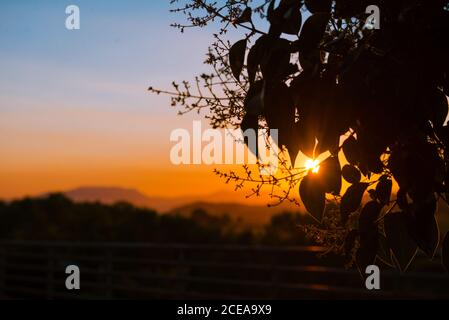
(216,203)
(110,195)
(107,195)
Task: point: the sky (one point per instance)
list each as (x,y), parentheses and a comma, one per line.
(74,106)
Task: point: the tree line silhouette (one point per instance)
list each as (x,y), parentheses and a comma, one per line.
(57,218)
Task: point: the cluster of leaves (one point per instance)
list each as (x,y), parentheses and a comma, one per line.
(319,72)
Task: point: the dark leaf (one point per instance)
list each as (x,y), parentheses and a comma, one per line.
(416,166)
(255,56)
(254,100)
(349,8)
(330,172)
(275,64)
(312,195)
(245,16)
(313,31)
(402,245)
(351,174)
(445,252)
(368,217)
(369,234)
(426,234)
(437,105)
(351,150)
(280,114)
(292,20)
(306,141)
(317,114)
(351,200)
(237,57)
(286,18)
(250,122)
(402,199)
(423,226)
(383,251)
(270,11)
(315,6)
(383,189)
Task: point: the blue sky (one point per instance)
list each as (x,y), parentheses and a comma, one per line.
(74,106)
(122,45)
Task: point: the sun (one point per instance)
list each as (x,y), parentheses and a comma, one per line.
(313,165)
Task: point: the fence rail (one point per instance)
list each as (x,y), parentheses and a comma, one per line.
(156,271)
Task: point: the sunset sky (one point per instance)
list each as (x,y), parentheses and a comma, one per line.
(74,106)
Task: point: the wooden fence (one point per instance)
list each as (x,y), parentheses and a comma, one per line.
(30,270)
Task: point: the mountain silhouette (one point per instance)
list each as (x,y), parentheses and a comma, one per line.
(221,203)
(111,195)
(107,195)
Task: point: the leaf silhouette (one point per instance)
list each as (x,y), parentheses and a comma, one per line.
(368,234)
(286,18)
(383,189)
(427,236)
(423,226)
(254,100)
(368,217)
(312,195)
(237,57)
(438,106)
(250,121)
(315,6)
(351,150)
(330,172)
(292,20)
(313,31)
(270,11)
(255,56)
(402,245)
(351,174)
(280,114)
(383,251)
(351,200)
(245,16)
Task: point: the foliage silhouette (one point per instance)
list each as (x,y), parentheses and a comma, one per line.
(57,218)
(340,87)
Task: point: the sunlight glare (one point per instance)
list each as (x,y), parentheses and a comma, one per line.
(313,165)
